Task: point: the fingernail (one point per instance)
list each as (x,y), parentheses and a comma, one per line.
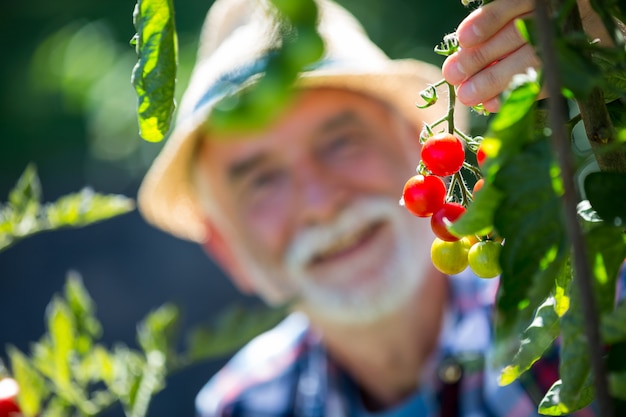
(477,31)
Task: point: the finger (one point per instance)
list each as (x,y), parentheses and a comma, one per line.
(492,105)
(487,20)
(468,61)
(494,79)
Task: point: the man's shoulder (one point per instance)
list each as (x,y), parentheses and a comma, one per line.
(262,372)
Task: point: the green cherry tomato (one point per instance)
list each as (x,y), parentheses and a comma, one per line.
(483,259)
(449,257)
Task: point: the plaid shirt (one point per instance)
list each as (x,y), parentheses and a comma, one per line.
(286,372)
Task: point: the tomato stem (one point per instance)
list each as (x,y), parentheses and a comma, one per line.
(451,103)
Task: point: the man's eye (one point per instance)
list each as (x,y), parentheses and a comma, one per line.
(266,179)
(341,144)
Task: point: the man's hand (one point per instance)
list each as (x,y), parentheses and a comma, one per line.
(492,50)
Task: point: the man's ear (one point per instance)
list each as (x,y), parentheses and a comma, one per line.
(218,249)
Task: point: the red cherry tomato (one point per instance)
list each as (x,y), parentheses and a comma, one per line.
(447,214)
(423,195)
(8,397)
(443,154)
(480,155)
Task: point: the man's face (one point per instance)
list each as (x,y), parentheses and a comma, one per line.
(311,206)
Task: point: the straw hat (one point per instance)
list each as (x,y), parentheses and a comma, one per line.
(235,39)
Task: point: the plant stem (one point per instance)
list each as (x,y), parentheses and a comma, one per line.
(598,125)
(451,103)
(561,144)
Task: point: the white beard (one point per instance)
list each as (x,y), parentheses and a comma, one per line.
(402,274)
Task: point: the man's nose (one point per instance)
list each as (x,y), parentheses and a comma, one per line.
(321,193)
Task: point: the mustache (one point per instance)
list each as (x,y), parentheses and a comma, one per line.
(350,224)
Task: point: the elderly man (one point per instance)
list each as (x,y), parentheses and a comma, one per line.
(305,211)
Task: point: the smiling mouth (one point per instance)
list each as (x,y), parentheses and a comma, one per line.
(347,244)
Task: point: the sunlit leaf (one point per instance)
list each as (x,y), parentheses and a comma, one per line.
(25,197)
(158,330)
(536,339)
(85,207)
(152,380)
(32,386)
(62,337)
(552,405)
(154,75)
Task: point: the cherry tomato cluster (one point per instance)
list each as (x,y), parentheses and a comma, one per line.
(426,195)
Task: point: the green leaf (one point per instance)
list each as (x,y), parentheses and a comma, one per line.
(574,367)
(81,306)
(529,219)
(25,197)
(154,75)
(536,339)
(32,386)
(235,327)
(606,192)
(606,248)
(613,73)
(62,333)
(617,384)
(158,330)
(561,288)
(613,325)
(479,215)
(152,381)
(552,405)
(85,207)
(24,214)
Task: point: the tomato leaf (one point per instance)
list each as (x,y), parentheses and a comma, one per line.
(535,340)
(82,308)
(576,391)
(154,75)
(158,330)
(479,215)
(235,326)
(529,218)
(617,384)
(33,390)
(62,338)
(606,192)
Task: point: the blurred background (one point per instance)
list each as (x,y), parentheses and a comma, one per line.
(67,105)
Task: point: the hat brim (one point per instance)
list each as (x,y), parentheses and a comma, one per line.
(166,197)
